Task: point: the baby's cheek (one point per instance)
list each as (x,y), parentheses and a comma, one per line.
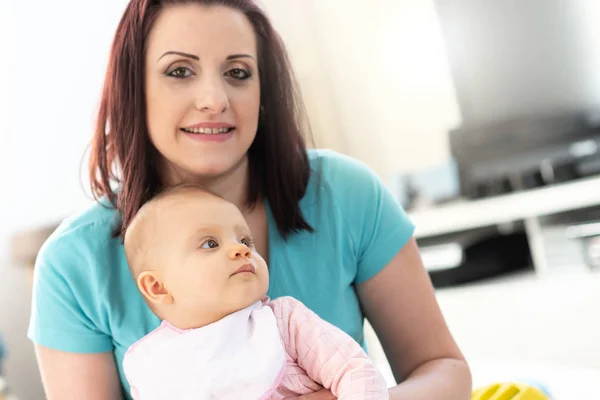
(195,287)
(263,283)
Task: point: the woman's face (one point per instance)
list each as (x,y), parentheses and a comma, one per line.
(202,90)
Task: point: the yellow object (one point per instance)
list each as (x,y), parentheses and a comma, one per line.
(508,391)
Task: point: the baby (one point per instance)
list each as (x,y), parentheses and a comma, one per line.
(192,256)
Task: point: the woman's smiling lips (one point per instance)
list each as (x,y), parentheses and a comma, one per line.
(209,131)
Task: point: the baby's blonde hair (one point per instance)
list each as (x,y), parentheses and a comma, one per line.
(142,231)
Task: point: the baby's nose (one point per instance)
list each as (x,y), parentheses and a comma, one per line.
(239,251)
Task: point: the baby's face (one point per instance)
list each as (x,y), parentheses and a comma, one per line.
(209,262)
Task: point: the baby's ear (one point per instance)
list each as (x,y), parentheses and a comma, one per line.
(153,289)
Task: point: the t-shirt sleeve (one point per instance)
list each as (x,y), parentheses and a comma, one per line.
(377,224)
(63,306)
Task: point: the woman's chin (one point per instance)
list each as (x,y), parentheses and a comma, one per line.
(212,171)
(207,169)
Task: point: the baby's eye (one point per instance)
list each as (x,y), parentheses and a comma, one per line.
(248,242)
(210,244)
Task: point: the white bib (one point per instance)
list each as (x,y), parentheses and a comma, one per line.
(238,357)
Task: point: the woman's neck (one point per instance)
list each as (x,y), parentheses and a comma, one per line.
(232,185)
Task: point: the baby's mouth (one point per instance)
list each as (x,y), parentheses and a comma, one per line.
(245,268)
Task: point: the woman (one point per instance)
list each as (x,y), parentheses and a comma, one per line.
(201,91)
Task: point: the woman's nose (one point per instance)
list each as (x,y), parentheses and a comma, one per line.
(239,251)
(212,97)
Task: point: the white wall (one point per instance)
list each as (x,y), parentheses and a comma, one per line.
(52,59)
(15,294)
(7,49)
(296,23)
(61,53)
(378,72)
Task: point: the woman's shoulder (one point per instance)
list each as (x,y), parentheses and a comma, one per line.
(82,233)
(370,214)
(76,283)
(335,165)
(344,178)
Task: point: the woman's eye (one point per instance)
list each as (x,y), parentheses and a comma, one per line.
(210,244)
(180,73)
(239,74)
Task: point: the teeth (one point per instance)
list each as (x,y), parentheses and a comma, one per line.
(208,131)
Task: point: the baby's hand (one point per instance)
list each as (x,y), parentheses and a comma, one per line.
(320,395)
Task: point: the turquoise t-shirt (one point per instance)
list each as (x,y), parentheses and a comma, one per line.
(86,301)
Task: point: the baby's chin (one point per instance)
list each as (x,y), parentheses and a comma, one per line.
(258,297)
(249,299)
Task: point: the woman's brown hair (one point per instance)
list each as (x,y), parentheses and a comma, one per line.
(123,161)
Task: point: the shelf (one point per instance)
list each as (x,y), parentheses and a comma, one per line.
(465,215)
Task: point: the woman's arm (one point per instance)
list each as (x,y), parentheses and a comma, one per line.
(400,304)
(78,376)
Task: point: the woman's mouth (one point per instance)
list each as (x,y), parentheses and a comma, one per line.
(207,131)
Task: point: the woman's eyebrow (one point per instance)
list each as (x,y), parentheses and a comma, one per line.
(179,53)
(236,56)
(195,57)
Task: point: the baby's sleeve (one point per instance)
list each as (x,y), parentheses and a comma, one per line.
(328,355)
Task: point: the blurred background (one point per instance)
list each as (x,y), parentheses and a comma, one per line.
(482,116)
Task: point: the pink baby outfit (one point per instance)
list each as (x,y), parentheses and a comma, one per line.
(270,350)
